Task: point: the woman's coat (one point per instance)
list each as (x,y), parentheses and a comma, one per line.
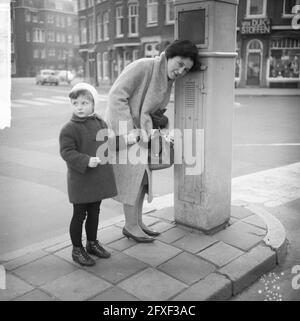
(141,88)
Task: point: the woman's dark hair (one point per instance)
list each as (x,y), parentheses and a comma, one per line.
(81,92)
(186,49)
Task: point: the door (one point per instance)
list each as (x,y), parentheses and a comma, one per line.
(254,59)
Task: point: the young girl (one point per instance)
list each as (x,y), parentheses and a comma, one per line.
(89,181)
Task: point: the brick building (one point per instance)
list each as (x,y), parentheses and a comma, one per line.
(268,44)
(45,34)
(115,32)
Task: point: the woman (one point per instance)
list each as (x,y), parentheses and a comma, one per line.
(142,88)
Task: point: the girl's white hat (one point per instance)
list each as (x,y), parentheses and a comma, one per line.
(88,87)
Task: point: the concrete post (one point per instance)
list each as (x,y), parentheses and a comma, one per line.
(203,113)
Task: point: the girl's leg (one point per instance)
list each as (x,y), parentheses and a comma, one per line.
(79,213)
(92,221)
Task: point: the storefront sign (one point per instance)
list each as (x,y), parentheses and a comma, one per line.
(256,26)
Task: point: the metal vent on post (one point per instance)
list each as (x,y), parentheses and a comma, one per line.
(189,94)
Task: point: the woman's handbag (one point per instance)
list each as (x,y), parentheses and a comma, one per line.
(160,151)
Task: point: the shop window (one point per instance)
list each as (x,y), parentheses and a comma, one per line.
(284,60)
(237,73)
(288,6)
(256,8)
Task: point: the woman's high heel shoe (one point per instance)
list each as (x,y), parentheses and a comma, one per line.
(150,232)
(140,239)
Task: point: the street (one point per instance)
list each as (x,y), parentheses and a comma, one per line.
(265,135)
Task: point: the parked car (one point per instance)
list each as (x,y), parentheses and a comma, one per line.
(47,76)
(65,75)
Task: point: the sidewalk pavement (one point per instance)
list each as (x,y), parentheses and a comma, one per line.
(181,264)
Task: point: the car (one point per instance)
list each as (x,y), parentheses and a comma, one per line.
(65,75)
(47,76)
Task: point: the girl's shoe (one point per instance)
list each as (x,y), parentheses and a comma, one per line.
(94,247)
(81,257)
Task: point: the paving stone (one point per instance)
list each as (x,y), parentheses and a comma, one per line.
(255,220)
(14,288)
(241,235)
(58,247)
(44,270)
(152,253)
(166,213)
(114,294)
(76,286)
(172,235)
(194,242)
(240,212)
(162,226)
(118,267)
(149,220)
(110,234)
(36,295)
(220,253)
(187,268)
(24,260)
(214,287)
(249,267)
(152,285)
(122,244)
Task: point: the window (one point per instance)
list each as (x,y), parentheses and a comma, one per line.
(34,17)
(152,7)
(82,28)
(51,52)
(38,35)
(288,6)
(57,21)
(135,54)
(69,21)
(70,38)
(62,21)
(50,18)
(105,66)
(90,3)
(106,26)
(133,20)
(170,14)
(63,38)
(284,60)
(81,4)
(58,37)
(119,21)
(70,53)
(51,36)
(58,5)
(256,8)
(99,73)
(28,36)
(27,16)
(35,53)
(43,53)
(91,30)
(99,28)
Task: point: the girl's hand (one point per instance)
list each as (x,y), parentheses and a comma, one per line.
(94,161)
